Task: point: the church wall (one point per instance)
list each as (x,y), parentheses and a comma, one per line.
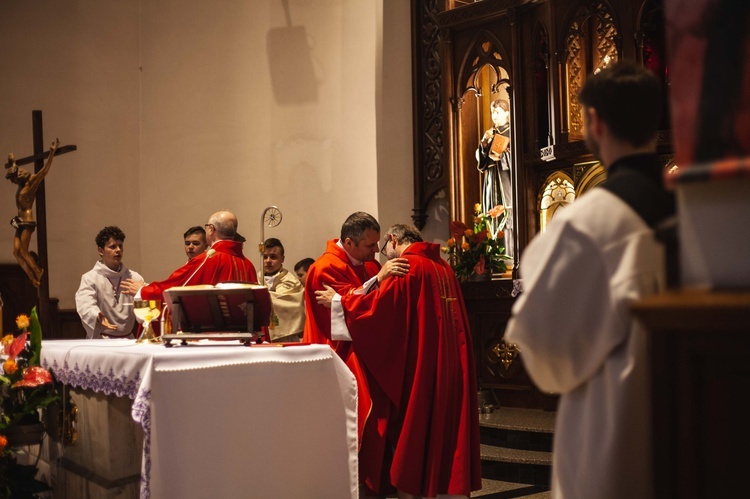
(238,105)
(77,61)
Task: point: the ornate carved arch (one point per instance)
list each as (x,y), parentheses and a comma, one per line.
(485,49)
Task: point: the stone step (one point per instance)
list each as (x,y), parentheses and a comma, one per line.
(516,447)
(515,419)
(496,489)
(519,456)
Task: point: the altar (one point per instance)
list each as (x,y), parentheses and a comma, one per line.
(223,420)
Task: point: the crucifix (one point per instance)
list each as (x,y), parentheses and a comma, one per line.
(30,189)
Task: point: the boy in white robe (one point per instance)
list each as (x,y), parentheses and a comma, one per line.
(106,312)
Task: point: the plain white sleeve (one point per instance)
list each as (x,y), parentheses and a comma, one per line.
(339,331)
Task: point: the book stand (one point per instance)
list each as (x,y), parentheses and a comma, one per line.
(227,311)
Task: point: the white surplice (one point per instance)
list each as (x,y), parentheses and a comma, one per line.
(578,338)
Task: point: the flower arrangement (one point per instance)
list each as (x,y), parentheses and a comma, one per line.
(474,251)
(26,388)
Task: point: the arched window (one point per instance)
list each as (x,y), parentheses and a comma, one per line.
(557,193)
(592,174)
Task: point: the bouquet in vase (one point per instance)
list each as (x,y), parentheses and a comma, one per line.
(477,251)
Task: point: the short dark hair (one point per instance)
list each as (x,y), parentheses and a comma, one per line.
(627,97)
(194,230)
(111,231)
(356,224)
(303,264)
(272,242)
(405,234)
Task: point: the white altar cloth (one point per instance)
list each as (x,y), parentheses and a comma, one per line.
(227,420)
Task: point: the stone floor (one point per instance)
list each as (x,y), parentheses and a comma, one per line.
(493,489)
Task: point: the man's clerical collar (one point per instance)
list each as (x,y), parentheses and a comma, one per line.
(353,260)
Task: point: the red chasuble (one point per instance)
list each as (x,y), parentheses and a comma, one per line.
(336,270)
(225,263)
(412,338)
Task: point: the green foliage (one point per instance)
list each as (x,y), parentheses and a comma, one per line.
(35,338)
(473,251)
(26,388)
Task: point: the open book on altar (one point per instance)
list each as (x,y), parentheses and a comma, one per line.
(229,307)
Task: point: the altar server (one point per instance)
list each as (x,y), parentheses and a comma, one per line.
(105,311)
(572,322)
(287,295)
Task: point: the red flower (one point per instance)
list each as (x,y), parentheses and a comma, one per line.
(34,376)
(479,267)
(12,350)
(480,236)
(458,229)
(3,443)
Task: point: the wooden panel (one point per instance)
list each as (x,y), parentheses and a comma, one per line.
(489,307)
(69,326)
(105,462)
(700,343)
(19,295)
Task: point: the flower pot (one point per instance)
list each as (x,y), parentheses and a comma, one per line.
(24,434)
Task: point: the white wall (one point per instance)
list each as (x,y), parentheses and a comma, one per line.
(77,61)
(180,109)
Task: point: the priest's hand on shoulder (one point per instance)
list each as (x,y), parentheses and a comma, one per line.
(393,268)
(325,297)
(131,287)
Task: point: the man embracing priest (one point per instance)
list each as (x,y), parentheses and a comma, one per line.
(412,336)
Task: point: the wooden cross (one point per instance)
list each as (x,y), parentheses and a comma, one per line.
(41,214)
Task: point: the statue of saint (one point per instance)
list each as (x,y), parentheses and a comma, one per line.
(493,155)
(24,223)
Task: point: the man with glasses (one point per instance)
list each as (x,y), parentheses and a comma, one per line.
(222,262)
(411,336)
(348,265)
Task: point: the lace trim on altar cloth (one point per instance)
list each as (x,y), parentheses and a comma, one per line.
(141,413)
(109,383)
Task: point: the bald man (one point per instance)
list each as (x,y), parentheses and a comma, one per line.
(222,262)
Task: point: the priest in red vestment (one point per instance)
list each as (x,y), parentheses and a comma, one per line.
(412,338)
(222,262)
(347,265)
